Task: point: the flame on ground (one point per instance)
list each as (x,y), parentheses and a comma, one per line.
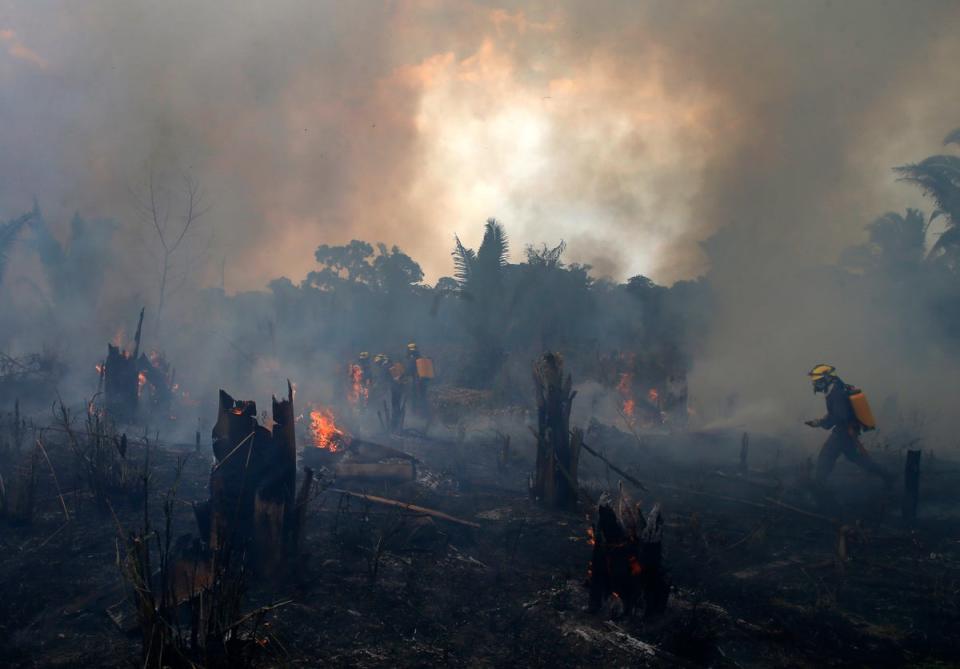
(324,430)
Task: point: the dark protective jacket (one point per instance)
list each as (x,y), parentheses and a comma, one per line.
(840,416)
(411,366)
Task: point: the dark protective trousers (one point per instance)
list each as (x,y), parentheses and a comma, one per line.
(841,442)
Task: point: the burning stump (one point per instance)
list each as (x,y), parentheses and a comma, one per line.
(627,559)
(253,481)
(133,382)
(558,452)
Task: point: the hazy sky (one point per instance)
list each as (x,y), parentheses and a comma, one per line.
(632,130)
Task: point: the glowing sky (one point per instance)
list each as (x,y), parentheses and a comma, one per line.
(633,131)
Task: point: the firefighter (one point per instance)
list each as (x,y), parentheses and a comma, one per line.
(413,375)
(388,381)
(844,427)
(363,362)
(418,383)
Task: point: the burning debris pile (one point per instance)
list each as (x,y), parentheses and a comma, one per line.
(651,389)
(325,433)
(136,385)
(346,458)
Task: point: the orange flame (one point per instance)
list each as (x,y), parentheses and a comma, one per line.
(99,368)
(358,385)
(141,382)
(654,396)
(323,428)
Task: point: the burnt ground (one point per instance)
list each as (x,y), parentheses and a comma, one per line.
(758,578)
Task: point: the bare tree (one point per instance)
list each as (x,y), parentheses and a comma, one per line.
(156,204)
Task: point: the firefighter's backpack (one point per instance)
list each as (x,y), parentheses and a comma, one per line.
(862,410)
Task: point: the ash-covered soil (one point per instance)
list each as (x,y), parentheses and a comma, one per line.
(764,573)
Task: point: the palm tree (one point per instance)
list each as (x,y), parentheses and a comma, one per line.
(898,240)
(939,177)
(479,277)
(480,271)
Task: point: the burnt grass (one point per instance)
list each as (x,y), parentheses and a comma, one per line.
(753,559)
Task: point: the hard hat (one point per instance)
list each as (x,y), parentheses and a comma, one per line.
(822,377)
(411,346)
(380,358)
(364,355)
(821,371)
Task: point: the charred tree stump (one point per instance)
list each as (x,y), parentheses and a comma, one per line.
(612,570)
(558,452)
(627,561)
(122,379)
(252,485)
(121,383)
(656,589)
(156,376)
(911,486)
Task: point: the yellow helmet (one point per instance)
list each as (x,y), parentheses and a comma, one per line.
(364,355)
(822,376)
(411,346)
(820,371)
(380,358)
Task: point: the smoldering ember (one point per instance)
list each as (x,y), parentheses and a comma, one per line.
(479,334)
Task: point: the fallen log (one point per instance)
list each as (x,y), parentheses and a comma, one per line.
(404,505)
(612,466)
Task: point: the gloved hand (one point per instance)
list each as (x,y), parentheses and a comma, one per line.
(812,423)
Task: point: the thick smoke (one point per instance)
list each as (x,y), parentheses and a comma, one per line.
(634,132)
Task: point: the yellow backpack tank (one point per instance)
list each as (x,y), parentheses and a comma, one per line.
(862,410)
(425,368)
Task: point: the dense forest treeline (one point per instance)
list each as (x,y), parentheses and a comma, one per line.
(483,324)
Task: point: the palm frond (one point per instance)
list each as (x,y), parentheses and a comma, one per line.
(495,246)
(938,177)
(545,256)
(950,238)
(463,262)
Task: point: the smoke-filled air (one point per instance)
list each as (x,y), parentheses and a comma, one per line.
(467,333)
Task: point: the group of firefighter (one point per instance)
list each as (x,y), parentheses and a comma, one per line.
(404,382)
(848,412)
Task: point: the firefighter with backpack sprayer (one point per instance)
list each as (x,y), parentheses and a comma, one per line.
(848,414)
